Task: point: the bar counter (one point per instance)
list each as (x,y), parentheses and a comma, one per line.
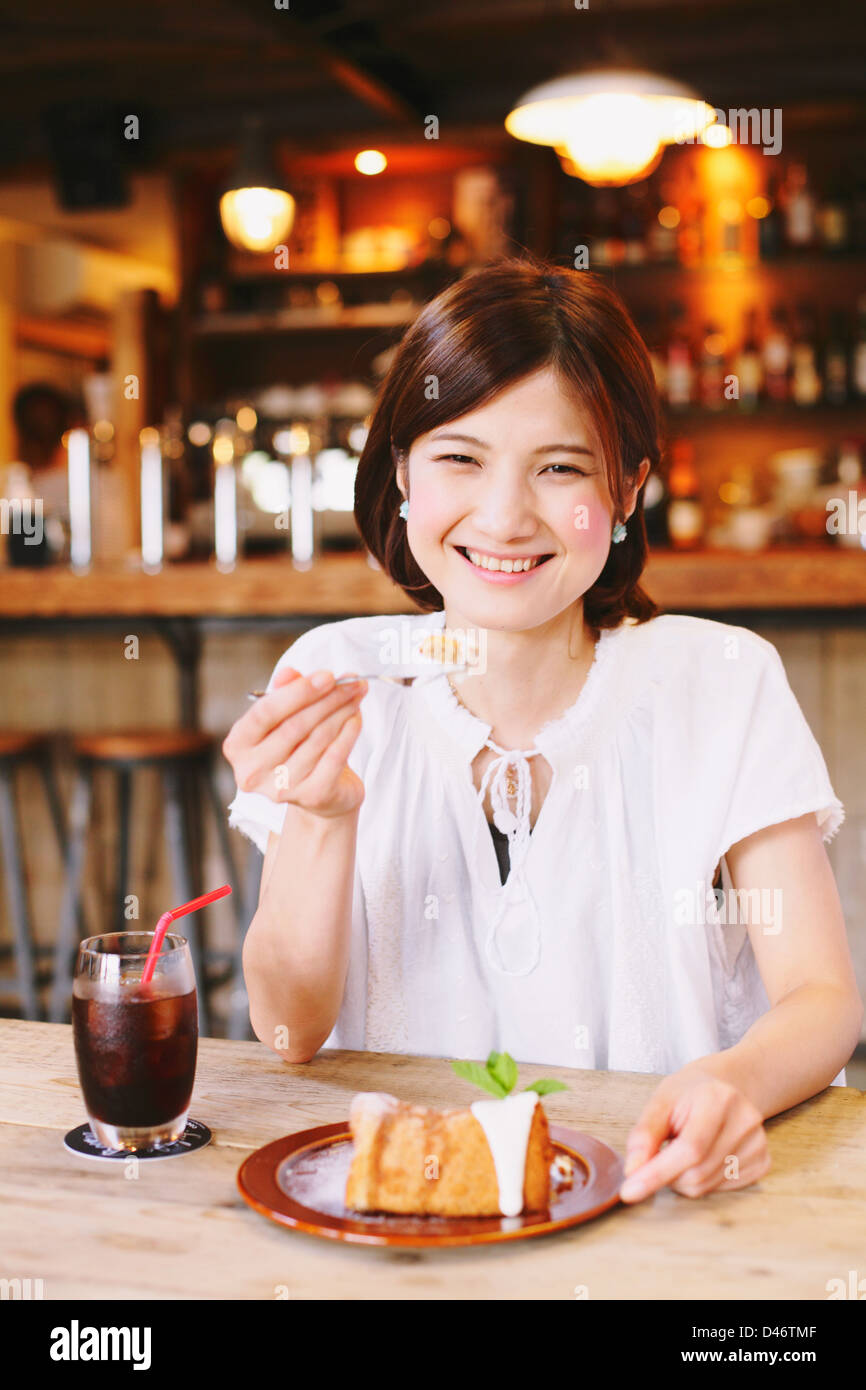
(712,581)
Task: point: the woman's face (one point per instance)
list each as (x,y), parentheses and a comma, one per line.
(518,481)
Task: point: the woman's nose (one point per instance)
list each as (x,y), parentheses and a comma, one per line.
(506,512)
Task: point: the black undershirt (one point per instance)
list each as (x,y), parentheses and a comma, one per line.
(500,844)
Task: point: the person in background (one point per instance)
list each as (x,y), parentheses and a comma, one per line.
(42,414)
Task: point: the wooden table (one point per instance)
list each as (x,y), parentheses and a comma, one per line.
(180,1230)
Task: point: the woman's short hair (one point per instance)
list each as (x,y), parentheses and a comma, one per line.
(482,334)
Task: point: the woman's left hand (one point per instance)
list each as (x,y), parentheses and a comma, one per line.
(716,1134)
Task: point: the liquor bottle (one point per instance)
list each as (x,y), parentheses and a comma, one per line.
(770,227)
(655,509)
(777,356)
(632,225)
(805,381)
(799,209)
(679,360)
(836,362)
(606,246)
(857,232)
(748,367)
(834,220)
(690,231)
(850,483)
(858,357)
(711,369)
(685,510)
(731,219)
(649,331)
(661,234)
(849,468)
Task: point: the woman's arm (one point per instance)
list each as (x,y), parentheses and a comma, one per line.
(813,1026)
(713,1109)
(296,951)
(293,746)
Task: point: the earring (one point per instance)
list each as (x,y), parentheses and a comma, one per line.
(404,509)
(619,533)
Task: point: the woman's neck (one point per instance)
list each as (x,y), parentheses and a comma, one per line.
(528,678)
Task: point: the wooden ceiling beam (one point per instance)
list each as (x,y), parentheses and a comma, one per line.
(349,74)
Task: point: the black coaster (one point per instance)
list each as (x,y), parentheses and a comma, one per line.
(83,1141)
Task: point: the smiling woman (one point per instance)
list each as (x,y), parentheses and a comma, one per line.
(516,323)
(623,756)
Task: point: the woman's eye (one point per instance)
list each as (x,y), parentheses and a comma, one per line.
(454,458)
(567,468)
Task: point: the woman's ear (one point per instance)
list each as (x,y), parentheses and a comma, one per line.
(401,474)
(640,479)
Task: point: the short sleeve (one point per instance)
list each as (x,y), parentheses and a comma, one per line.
(769,765)
(253,813)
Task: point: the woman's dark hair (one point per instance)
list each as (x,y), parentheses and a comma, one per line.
(482,334)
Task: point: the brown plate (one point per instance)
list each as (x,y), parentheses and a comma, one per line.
(300,1180)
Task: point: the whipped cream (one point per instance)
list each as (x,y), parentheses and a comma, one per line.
(506,1124)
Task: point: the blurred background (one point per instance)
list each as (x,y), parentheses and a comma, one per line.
(215,226)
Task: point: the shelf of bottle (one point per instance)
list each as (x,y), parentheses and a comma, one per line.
(267,272)
(354,316)
(740,265)
(850,413)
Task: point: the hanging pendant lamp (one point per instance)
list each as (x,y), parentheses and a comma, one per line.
(256,209)
(610,124)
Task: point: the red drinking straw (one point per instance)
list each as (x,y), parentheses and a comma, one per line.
(162,925)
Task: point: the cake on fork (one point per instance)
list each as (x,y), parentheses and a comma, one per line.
(443,647)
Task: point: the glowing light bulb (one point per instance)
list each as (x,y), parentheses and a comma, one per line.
(257,219)
(370,162)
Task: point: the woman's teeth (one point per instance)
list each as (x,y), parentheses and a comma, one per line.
(488,562)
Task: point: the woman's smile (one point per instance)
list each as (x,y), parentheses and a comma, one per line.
(498,567)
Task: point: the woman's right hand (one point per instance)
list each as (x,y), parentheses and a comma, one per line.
(292,745)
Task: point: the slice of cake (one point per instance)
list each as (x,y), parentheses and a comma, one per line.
(491,1159)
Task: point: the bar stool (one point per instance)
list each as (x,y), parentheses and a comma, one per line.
(179,755)
(16,749)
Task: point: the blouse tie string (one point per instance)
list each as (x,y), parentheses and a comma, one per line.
(509,777)
(505,784)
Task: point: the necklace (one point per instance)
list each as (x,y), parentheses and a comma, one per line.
(510,770)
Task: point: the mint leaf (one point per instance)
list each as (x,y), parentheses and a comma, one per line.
(480,1076)
(504,1069)
(545,1086)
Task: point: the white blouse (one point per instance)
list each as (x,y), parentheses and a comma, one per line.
(606,947)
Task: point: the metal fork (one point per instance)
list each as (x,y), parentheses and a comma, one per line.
(392,680)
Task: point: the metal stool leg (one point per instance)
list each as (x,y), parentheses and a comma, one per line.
(10,837)
(124,799)
(192,810)
(239,1008)
(55,806)
(178,845)
(79,818)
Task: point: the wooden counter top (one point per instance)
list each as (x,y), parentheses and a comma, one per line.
(708,581)
(182,1231)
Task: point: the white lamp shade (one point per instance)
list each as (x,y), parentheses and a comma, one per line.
(257,219)
(611,124)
